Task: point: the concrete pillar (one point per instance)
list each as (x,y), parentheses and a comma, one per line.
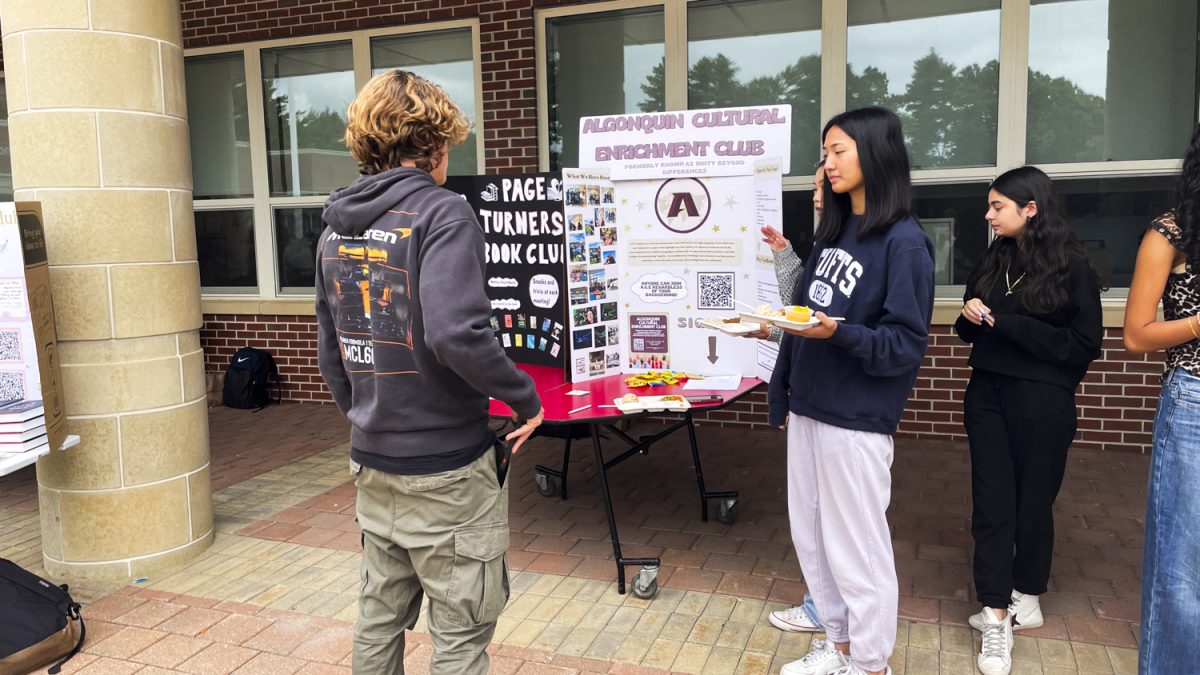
(99,136)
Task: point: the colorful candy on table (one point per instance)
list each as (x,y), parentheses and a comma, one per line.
(657,379)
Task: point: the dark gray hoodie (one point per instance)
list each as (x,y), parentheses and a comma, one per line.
(404,341)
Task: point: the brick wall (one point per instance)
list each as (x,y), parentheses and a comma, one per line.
(291,340)
(506,50)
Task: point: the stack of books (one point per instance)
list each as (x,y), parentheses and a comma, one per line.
(22,428)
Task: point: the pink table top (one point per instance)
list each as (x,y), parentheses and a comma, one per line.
(552,386)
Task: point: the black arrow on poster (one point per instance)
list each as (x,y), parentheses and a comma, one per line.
(712,349)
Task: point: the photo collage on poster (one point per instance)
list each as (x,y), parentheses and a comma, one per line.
(592,275)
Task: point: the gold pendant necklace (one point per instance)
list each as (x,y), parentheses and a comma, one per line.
(1013,284)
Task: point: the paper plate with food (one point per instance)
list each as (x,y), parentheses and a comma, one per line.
(731,325)
(632,403)
(793,317)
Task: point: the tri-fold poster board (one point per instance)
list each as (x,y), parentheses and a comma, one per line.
(609,268)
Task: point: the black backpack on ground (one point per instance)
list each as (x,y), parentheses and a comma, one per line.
(248,378)
(39,622)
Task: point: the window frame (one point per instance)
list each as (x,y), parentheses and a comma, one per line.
(262,204)
(1012,94)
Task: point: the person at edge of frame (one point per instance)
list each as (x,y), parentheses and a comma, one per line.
(1168,261)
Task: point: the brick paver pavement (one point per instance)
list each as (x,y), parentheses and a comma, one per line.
(276,591)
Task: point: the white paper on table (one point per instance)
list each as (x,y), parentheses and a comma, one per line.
(714,383)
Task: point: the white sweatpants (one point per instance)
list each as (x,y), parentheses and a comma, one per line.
(839,486)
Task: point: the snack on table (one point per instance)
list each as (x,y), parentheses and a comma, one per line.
(672,398)
(655,379)
(629,398)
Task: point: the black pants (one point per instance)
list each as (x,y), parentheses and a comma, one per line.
(1019,431)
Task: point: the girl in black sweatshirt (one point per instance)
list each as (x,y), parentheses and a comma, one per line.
(1032,314)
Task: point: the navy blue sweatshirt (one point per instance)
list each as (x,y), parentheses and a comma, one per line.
(861,377)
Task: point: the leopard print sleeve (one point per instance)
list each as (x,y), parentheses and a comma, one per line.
(1181,298)
(1166,226)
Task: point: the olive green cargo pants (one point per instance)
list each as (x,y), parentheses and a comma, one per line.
(444,535)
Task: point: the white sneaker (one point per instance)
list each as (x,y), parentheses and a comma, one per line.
(794,620)
(995,653)
(1025,610)
(853,669)
(824,659)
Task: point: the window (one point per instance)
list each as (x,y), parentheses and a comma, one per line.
(296,233)
(799,224)
(1110,215)
(601,64)
(726,44)
(446,58)
(225,249)
(220,127)
(1110,104)
(267,122)
(953,219)
(1110,80)
(306,91)
(937,67)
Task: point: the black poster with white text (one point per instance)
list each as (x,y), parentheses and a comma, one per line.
(523,225)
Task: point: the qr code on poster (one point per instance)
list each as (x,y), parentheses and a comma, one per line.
(10,344)
(716,290)
(12,385)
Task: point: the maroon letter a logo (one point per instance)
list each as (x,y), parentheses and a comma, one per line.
(682,201)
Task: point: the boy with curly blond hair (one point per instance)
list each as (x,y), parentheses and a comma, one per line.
(406,348)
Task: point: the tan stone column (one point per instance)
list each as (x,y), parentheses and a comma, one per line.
(98,131)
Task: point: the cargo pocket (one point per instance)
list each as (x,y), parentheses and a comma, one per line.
(479,581)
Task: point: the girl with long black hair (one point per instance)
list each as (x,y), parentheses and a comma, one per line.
(1032,314)
(1167,265)
(840,388)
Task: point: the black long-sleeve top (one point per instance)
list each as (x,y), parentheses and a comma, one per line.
(1055,348)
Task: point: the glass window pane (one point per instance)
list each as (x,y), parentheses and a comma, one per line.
(445,58)
(225,248)
(306,91)
(1110,215)
(296,233)
(218,126)
(6,184)
(601,64)
(798,224)
(726,68)
(1110,80)
(937,66)
(953,218)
